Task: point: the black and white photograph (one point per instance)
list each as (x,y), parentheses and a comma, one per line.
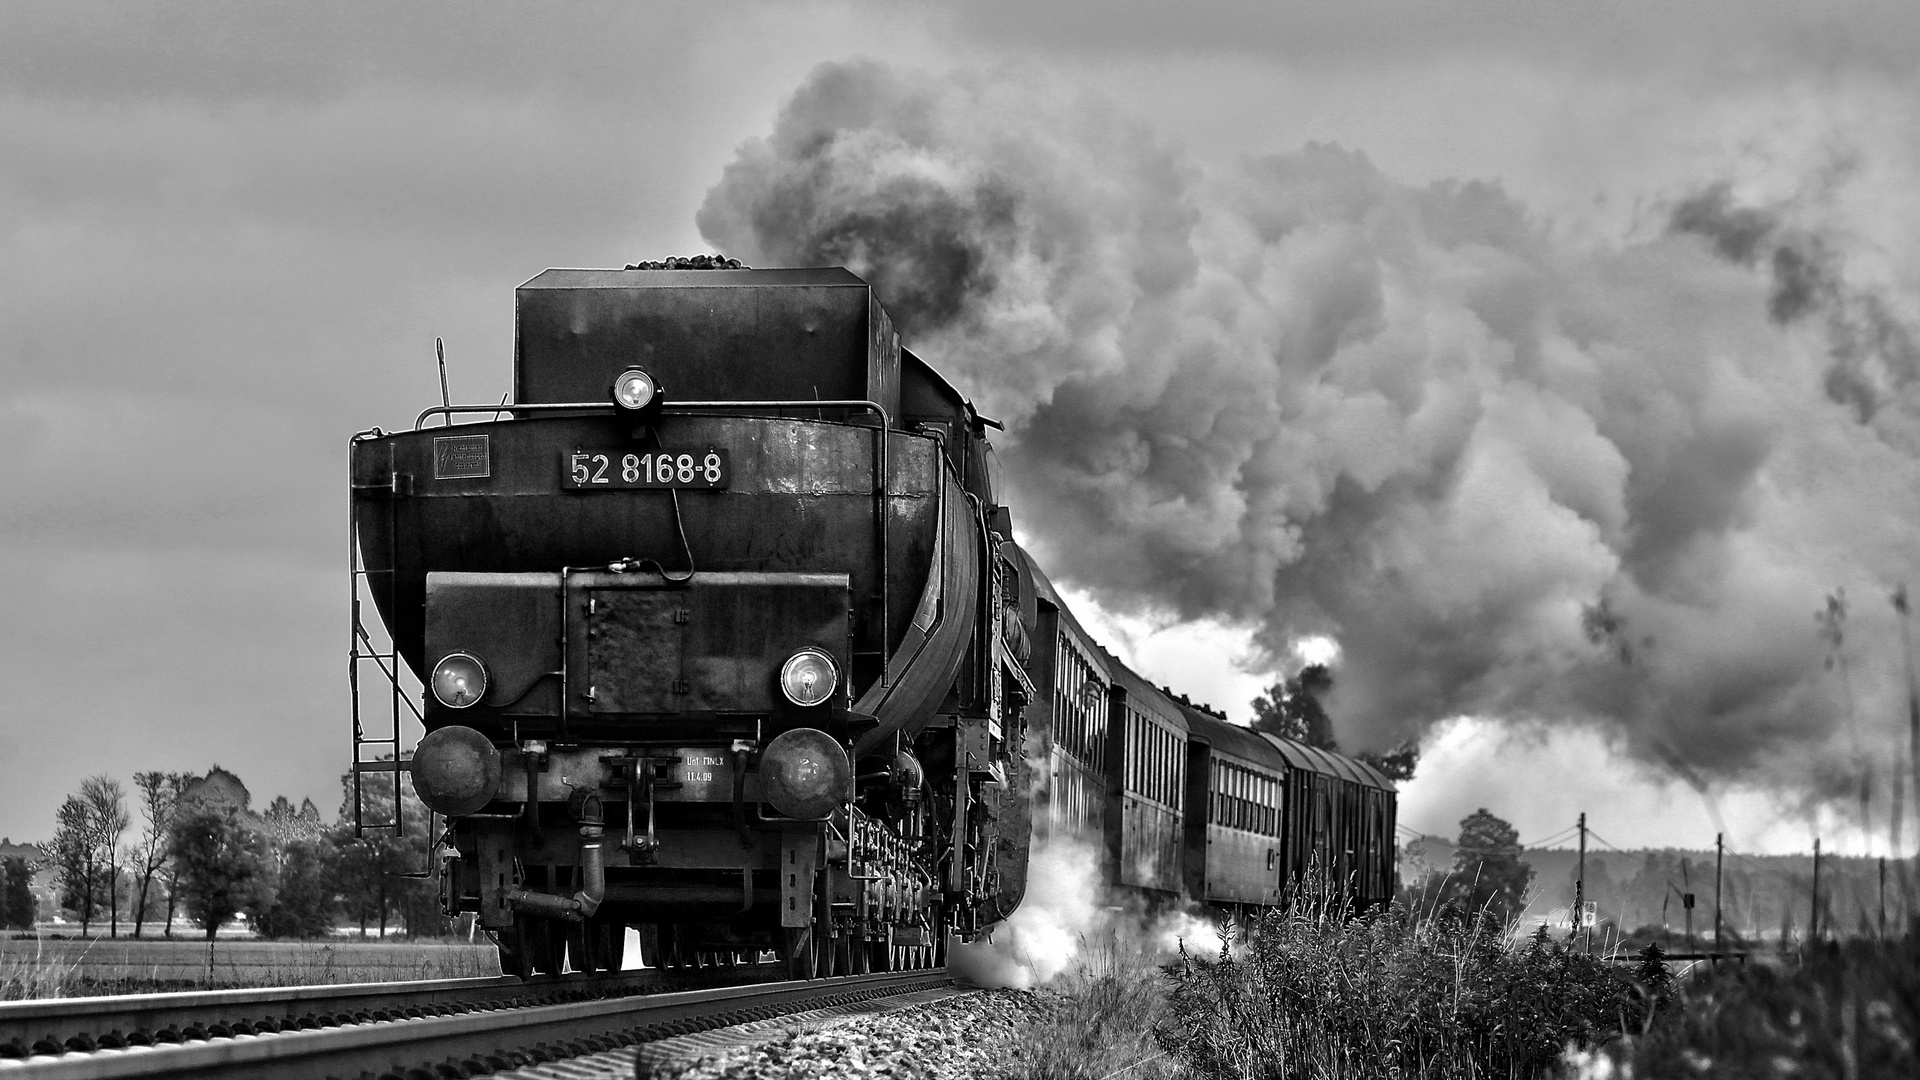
(932,539)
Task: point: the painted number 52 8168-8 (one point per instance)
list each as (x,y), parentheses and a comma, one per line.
(590,470)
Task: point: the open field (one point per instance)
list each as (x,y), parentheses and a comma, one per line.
(47,967)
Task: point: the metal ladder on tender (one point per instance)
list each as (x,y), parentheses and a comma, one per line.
(376,754)
(386,763)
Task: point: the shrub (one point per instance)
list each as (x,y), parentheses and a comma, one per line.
(1317,993)
(301,903)
(1096,1020)
(1829,1010)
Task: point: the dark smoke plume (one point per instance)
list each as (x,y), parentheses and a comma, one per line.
(1509,476)
(1874,355)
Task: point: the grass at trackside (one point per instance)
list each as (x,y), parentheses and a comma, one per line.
(1097,1020)
(33,968)
(1314,995)
(1844,1010)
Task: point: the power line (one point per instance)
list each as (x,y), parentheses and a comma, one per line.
(1608,842)
(1537,845)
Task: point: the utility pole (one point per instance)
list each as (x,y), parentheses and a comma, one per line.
(1580,886)
(1913,702)
(1813,928)
(1719,853)
(1686,896)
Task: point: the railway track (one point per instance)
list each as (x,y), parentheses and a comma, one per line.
(448,1028)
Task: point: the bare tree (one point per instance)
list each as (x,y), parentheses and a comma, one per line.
(159,801)
(106,808)
(71,853)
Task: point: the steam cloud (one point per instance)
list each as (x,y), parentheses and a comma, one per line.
(1067,915)
(1510,475)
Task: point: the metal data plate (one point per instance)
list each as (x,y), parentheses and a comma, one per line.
(705,774)
(461,457)
(626,470)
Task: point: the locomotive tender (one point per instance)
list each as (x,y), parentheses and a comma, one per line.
(724,636)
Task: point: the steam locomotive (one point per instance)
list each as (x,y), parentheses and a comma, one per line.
(724,636)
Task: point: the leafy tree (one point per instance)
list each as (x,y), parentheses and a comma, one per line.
(1488,873)
(17,908)
(220,865)
(299,897)
(286,826)
(159,801)
(1291,708)
(1397,763)
(1294,709)
(301,902)
(376,871)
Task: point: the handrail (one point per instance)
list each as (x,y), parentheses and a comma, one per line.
(450,411)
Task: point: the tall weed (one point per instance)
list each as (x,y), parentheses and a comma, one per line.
(38,976)
(1846,1011)
(1096,1020)
(1318,994)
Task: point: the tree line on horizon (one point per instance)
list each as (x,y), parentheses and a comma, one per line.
(201,852)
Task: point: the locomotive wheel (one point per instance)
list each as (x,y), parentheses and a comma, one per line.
(538,950)
(575,935)
(822,954)
(603,944)
(650,945)
(512,960)
(797,950)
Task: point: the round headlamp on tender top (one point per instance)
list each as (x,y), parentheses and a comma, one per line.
(634,389)
(459,680)
(455,770)
(809,676)
(804,773)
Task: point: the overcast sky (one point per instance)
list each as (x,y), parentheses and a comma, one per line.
(229,234)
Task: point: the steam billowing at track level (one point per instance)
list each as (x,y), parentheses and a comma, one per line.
(1510,475)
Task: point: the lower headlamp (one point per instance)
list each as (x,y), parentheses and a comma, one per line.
(459,680)
(809,676)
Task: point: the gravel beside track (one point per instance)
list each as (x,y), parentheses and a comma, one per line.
(957,1034)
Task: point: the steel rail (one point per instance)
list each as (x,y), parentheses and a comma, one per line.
(475,1043)
(114,1022)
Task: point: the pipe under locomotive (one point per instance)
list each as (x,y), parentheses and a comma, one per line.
(725,637)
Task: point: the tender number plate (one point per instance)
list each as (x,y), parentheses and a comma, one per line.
(612,470)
